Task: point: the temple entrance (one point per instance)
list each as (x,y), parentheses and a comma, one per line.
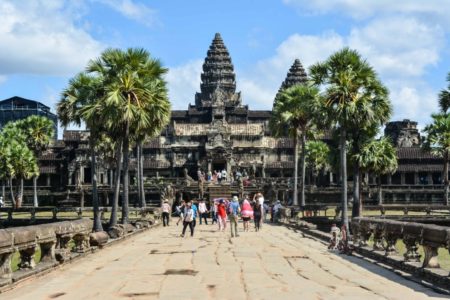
(219,165)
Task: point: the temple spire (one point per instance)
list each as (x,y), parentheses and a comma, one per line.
(218,80)
(295,75)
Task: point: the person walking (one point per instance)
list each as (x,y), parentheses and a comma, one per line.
(180,211)
(166,210)
(188,219)
(214,212)
(257,215)
(219,177)
(195,209)
(203,211)
(222,215)
(260,198)
(247,213)
(234,210)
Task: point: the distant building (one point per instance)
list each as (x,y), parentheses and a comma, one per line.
(17,108)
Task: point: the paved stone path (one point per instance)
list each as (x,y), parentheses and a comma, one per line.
(275,263)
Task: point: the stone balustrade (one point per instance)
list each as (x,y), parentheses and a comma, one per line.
(54,240)
(385,234)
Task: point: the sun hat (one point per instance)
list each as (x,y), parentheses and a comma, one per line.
(235,199)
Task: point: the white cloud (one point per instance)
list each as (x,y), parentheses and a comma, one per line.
(135,11)
(2,79)
(401,46)
(41,37)
(260,85)
(369,8)
(183,81)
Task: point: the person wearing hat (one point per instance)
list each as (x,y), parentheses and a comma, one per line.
(166,212)
(222,215)
(234,211)
(246,212)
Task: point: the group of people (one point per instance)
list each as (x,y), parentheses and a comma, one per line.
(221,210)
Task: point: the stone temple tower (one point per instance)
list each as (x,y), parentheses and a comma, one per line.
(218,80)
(295,75)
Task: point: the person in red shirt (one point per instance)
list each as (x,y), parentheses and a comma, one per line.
(222,215)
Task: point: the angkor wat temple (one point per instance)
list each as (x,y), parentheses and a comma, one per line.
(220,132)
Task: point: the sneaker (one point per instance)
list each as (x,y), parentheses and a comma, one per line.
(181,235)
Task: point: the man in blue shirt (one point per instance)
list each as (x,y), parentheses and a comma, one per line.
(194,208)
(234,210)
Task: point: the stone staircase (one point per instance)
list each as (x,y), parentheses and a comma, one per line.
(220,191)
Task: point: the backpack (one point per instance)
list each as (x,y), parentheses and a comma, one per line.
(189,215)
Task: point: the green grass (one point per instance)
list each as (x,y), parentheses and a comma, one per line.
(15,260)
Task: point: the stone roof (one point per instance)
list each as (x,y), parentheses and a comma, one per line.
(414,153)
(259,113)
(296,75)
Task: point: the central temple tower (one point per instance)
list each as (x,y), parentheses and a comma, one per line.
(218,81)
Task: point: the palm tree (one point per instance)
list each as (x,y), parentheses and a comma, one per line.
(444,97)
(293,114)
(317,157)
(135,99)
(354,96)
(82,92)
(438,142)
(38,131)
(380,157)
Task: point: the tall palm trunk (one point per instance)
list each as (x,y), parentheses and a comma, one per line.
(446,182)
(3,191)
(295,169)
(11,190)
(115,204)
(380,191)
(138,172)
(303,167)
(141,177)
(20,198)
(356,209)
(95,204)
(126,182)
(343,158)
(35,198)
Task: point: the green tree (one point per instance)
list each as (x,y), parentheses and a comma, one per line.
(353,97)
(293,114)
(82,92)
(379,157)
(38,131)
(317,157)
(438,142)
(135,100)
(444,97)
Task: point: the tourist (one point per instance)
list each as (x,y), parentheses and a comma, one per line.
(222,215)
(247,212)
(224,175)
(266,210)
(209,176)
(257,215)
(214,211)
(188,218)
(260,198)
(335,237)
(166,210)
(234,210)
(195,209)
(1,202)
(180,210)
(276,210)
(219,177)
(203,211)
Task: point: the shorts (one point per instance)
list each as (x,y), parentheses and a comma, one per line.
(246,219)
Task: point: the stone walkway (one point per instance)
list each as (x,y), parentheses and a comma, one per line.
(275,263)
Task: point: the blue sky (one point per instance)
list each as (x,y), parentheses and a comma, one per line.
(45,42)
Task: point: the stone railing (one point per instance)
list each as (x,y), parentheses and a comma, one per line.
(386,233)
(57,242)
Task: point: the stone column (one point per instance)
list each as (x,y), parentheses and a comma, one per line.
(330,177)
(209,165)
(402,178)
(48,180)
(82,174)
(389,179)
(70,181)
(416,178)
